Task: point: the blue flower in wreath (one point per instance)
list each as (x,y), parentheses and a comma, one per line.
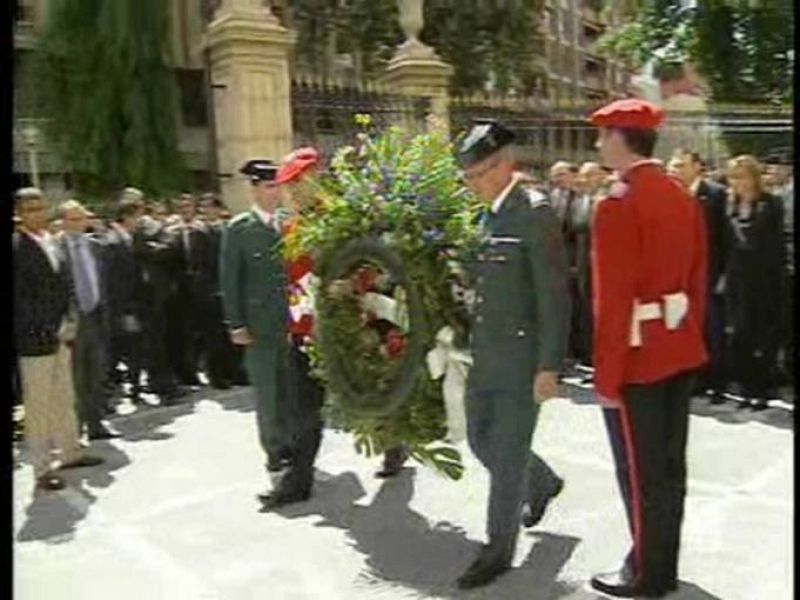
(426,200)
(433,236)
(351,196)
(388,177)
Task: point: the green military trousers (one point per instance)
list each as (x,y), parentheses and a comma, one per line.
(266,362)
(500,425)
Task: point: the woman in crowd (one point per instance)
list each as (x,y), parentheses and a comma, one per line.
(755,279)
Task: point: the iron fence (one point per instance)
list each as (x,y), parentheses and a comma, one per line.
(323,111)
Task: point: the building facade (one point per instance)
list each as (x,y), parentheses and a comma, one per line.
(573,70)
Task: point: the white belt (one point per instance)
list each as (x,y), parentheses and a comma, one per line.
(676,306)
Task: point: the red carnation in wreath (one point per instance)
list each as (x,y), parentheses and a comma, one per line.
(395,343)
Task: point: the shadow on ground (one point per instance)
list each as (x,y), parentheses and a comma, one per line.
(729,412)
(53,516)
(145,423)
(240,399)
(401,547)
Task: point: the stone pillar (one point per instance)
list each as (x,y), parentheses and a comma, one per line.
(249,56)
(416,69)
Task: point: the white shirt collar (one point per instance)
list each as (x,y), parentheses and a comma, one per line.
(498,202)
(46,242)
(126,237)
(695,186)
(267,218)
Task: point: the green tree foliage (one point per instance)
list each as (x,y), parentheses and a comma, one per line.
(484,40)
(104,73)
(741,47)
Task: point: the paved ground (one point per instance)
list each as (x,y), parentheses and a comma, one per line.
(172,515)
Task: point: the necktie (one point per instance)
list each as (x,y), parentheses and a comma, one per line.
(87,297)
(186,231)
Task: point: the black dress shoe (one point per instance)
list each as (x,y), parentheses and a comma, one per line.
(393,461)
(104,434)
(50,482)
(221,385)
(620,584)
(531,515)
(484,570)
(173,397)
(87,460)
(716,397)
(279,498)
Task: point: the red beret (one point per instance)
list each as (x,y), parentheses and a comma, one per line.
(629,112)
(297,164)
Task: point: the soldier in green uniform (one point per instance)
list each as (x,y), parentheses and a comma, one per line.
(253,283)
(519,334)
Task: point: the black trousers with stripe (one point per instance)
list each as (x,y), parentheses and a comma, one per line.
(648,440)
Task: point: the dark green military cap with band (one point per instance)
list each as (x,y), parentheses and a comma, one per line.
(486,137)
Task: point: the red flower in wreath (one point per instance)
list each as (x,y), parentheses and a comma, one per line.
(395,343)
(364,280)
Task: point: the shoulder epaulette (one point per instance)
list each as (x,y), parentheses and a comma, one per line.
(239,219)
(535,198)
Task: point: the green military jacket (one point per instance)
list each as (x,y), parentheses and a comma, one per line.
(521,311)
(253,278)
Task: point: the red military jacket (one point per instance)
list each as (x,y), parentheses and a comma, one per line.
(648,240)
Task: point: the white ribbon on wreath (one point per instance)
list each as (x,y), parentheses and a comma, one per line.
(448,362)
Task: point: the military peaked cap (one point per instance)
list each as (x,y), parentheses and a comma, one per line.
(259,170)
(485,138)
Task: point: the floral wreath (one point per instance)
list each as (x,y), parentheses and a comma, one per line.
(389,234)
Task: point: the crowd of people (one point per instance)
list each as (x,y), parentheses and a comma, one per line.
(748,209)
(138,295)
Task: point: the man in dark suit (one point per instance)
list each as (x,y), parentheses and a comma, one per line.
(564,197)
(518,341)
(42,330)
(123,277)
(688,167)
(562,188)
(83,257)
(189,241)
(224,360)
(155,253)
